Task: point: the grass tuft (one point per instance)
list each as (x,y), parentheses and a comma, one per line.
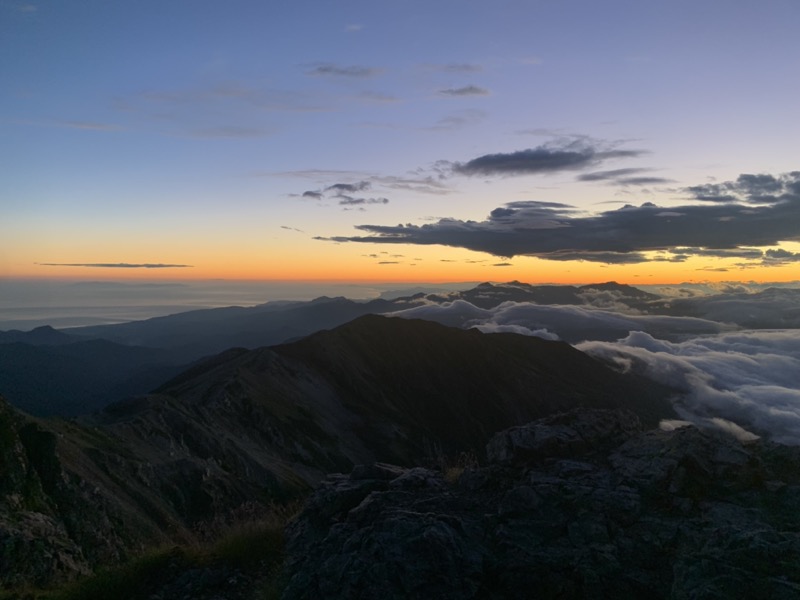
(253,546)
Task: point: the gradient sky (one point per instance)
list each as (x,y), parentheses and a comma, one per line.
(401,141)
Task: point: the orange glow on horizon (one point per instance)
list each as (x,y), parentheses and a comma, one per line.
(530,271)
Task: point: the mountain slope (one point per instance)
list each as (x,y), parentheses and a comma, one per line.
(266,425)
(81,376)
(459,386)
(203,332)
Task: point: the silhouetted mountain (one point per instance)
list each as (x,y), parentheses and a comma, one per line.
(266,424)
(202,332)
(489,295)
(606,311)
(41,336)
(79,377)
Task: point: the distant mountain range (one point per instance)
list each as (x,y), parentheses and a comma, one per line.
(76,371)
(267,424)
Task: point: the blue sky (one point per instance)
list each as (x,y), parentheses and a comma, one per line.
(250,139)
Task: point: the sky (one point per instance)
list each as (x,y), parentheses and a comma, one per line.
(568,141)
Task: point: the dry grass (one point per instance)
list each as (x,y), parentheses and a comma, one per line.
(249,540)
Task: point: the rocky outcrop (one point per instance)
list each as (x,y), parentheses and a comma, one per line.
(267,425)
(57,518)
(576,505)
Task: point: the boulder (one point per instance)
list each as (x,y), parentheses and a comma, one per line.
(581,504)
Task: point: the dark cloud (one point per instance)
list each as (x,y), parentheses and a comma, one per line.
(389,262)
(292,229)
(468,90)
(558,232)
(333,70)
(117,265)
(343,191)
(422,185)
(624,177)
(752,189)
(681,254)
(644,181)
(613,174)
(503,264)
(778,255)
(348,188)
(549,158)
(350,201)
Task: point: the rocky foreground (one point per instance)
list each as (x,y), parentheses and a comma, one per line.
(583,504)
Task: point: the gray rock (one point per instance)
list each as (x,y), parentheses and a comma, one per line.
(579,505)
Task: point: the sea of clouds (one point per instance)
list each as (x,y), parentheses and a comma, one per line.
(744,381)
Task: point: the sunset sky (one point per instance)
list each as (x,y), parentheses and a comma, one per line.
(563,141)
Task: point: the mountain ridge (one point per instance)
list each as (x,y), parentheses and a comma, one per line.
(266,425)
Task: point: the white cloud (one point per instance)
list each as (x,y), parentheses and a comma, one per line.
(741,382)
(744,382)
(569,323)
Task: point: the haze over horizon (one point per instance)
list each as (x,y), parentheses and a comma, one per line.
(362,142)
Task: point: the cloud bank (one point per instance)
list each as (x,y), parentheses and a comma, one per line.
(733,218)
(569,323)
(117,265)
(747,378)
(745,382)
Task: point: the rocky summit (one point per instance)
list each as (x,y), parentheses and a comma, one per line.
(583,504)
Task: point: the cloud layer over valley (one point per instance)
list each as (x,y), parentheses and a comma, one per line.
(726,375)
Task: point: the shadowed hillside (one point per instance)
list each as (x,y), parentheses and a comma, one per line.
(268,424)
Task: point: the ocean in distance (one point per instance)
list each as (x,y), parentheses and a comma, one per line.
(29,303)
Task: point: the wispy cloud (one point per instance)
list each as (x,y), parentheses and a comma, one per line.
(117,265)
(343,192)
(454,67)
(377,97)
(350,201)
(351,71)
(425,184)
(468,90)
(339,188)
(547,158)
(230,131)
(625,177)
(84,125)
(458,120)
